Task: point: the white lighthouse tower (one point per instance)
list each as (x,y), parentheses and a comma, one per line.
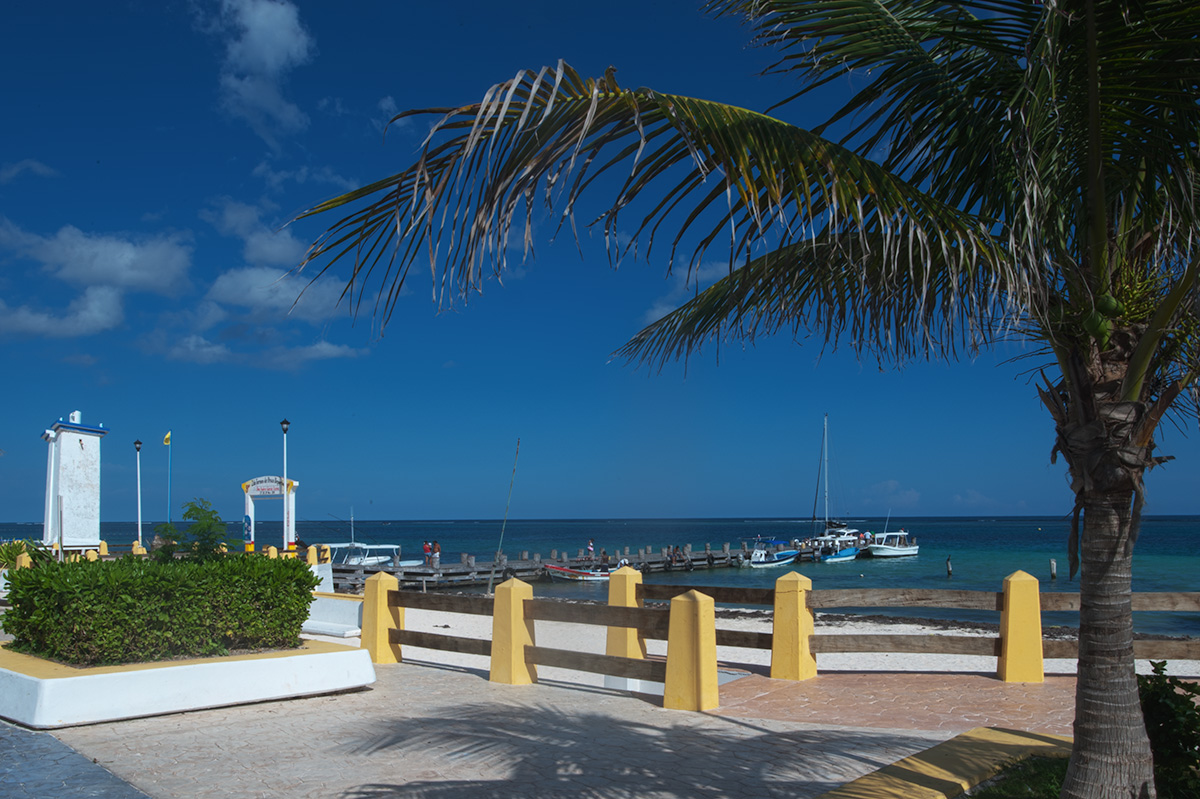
(73,484)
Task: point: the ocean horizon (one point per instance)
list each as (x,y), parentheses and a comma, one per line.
(982,551)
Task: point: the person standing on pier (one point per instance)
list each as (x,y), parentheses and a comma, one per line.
(427,550)
(591,550)
(437,555)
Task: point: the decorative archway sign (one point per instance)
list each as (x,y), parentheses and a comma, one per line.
(270,487)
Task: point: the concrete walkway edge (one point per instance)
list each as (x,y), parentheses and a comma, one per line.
(954,766)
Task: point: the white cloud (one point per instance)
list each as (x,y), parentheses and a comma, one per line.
(275,292)
(10,172)
(99,308)
(263,246)
(683,286)
(973,500)
(277,179)
(387,106)
(320,351)
(266,41)
(891,494)
(157,264)
(197,349)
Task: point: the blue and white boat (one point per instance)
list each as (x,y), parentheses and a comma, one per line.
(772,552)
(835,548)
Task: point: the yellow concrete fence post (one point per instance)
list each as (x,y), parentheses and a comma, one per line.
(380,618)
(692,654)
(137,549)
(511,634)
(104,549)
(625,642)
(791,650)
(91,555)
(326,554)
(1021,631)
(23,561)
(272,553)
(310,555)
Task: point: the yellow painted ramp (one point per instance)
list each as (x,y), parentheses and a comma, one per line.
(953,766)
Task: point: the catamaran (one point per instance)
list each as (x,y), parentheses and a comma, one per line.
(838,543)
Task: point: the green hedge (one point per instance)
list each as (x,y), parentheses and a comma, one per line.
(132,610)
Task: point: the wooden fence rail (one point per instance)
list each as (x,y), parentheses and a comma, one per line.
(692,638)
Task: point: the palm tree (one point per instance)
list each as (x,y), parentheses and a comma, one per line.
(1008,168)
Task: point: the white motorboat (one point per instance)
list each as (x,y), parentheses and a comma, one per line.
(893,545)
(352,553)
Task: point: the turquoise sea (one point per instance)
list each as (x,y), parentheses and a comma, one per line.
(983,551)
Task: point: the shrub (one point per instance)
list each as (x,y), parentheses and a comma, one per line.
(207,536)
(1173,725)
(132,610)
(9,550)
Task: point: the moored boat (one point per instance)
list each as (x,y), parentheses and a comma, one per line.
(567,573)
(835,548)
(352,553)
(772,552)
(893,545)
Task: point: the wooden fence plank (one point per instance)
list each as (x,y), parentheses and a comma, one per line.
(1060,649)
(905,597)
(1154,601)
(444,643)
(449,603)
(1166,650)
(914,644)
(1167,600)
(650,622)
(744,638)
(633,668)
(719,593)
(1056,601)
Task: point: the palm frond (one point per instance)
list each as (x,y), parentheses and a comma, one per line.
(720,175)
(889,306)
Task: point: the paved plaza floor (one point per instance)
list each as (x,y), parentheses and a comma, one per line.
(427,730)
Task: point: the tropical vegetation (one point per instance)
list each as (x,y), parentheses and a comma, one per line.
(134,610)
(1000,169)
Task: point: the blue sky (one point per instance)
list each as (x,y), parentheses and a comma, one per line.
(151,154)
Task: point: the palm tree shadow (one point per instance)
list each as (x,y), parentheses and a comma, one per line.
(543,752)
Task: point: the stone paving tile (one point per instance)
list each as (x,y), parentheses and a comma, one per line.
(952,703)
(36,765)
(422,730)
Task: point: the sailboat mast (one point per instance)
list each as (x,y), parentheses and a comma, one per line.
(825,462)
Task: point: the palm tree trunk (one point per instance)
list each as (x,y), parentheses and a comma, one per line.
(1111,756)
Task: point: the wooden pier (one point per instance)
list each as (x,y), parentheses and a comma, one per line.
(470,571)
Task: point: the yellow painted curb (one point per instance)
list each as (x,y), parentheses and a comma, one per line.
(42,669)
(953,766)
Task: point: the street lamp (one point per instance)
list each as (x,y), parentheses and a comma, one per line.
(137,445)
(288,542)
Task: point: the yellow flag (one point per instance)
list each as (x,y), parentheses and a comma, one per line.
(167,438)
